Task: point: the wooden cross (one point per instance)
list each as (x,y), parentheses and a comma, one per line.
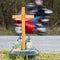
(22,17)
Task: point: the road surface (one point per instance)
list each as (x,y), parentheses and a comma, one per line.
(49,44)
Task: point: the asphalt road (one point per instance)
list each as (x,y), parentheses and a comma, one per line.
(49,44)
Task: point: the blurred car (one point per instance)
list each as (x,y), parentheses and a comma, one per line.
(30,26)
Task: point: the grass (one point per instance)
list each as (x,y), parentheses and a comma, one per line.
(54,31)
(3,31)
(4,55)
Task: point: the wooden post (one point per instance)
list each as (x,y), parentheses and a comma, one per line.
(23,28)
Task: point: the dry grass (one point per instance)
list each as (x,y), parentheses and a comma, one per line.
(54,31)
(3,31)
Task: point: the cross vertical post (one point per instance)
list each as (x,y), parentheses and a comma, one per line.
(23,25)
(23,28)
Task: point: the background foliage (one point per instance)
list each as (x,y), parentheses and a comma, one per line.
(10,7)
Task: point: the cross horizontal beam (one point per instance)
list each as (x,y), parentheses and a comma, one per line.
(19,16)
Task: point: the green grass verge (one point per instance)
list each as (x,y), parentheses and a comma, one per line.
(4,55)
